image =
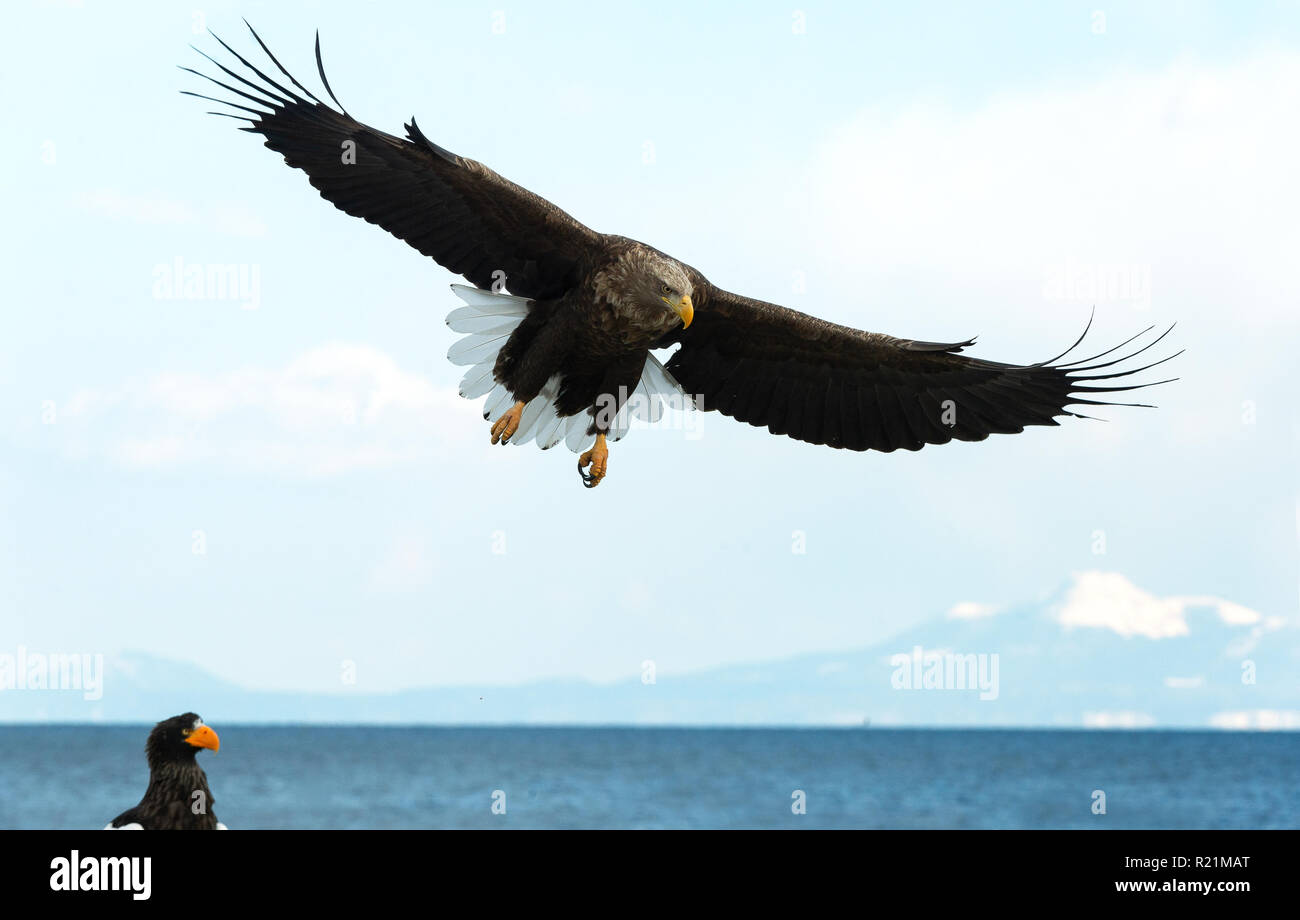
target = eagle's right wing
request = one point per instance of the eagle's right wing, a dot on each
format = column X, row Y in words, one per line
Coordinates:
column 454, row 210
column 823, row 383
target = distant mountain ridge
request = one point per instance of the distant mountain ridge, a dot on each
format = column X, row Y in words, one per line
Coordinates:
column 1101, row 653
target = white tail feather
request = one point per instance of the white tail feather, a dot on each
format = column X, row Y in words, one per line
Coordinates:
column 491, row 302
column 486, row 322
column 497, row 402
column 475, row 349
column 477, row 381
column 480, row 323
column 540, row 407
column 551, row 432
column 575, row 432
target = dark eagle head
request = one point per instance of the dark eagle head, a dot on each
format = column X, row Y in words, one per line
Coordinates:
column 179, row 739
column 650, row 289
column 670, row 287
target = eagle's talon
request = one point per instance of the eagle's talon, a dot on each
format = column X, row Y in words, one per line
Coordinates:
column 598, row 459
column 507, row 424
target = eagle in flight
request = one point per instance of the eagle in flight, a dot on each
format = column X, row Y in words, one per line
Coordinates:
column 565, row 355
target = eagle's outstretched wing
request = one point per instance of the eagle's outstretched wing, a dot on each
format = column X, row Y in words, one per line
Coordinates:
column 828, row 384
column 454, row 210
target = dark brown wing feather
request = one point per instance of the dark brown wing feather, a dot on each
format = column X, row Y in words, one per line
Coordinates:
column 827, row 384
column 456, row 211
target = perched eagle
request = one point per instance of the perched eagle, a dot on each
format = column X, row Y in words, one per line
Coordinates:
column 178, row 797
column 566, row 354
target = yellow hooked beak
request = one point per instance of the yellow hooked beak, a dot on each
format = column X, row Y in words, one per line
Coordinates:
column 204, row 737
column 683, row 308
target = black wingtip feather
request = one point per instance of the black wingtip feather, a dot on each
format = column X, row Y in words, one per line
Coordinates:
column 1136, row 370
column 1094, row 367
column 226, row 86
column 414, row 133
column 293, row 97
column 1103, row 354
column 320, row 69
column 186, row 92
column 276, row 62
column 1135, row 386
column 1052, row 361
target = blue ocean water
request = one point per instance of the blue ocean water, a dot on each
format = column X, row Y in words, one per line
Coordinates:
column 421, row 777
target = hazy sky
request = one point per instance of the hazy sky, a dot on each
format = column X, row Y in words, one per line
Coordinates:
column 278, row 479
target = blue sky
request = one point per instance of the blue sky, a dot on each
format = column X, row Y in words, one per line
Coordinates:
column 933, row 172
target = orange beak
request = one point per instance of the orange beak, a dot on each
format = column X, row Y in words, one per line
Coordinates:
column 204, row 737
column 686, row 310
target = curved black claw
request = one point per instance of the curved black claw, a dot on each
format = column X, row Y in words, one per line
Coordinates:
column 598, row 457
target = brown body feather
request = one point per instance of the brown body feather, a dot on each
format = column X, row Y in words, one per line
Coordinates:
column 169, row 802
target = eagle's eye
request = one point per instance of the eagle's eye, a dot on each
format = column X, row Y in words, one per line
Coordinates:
column 667, row 289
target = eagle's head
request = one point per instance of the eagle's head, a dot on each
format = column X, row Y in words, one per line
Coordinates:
column 654, row 289
column 179, row 739
column 672, row 288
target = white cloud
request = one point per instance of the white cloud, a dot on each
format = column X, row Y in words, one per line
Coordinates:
column 1108, row 600
column 1133, row 171
column 1126, row 718
column 1185, row 683
column 1235, row 614
column 970, row 610
column 1257, row 719
column 1244, row 645
column 335, row 408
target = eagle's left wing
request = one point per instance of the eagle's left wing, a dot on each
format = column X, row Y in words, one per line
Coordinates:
column 828, row 384
column 455, row 210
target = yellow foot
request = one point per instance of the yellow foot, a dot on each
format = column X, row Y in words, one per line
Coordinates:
column 598, row 457
column 507, row 424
